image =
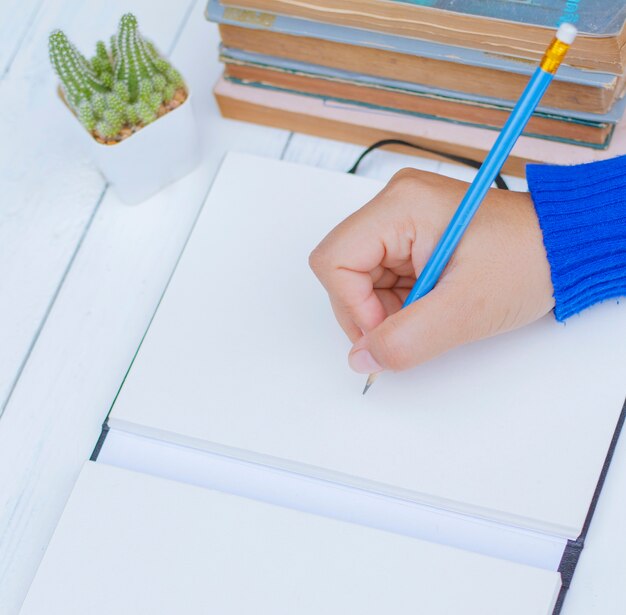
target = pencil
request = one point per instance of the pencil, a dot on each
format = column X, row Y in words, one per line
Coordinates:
column 490, row 168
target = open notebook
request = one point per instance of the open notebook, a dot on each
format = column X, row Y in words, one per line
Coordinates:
column 130, row 544
column 485, row 460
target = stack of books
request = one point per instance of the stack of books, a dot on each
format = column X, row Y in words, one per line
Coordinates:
column 443, row 74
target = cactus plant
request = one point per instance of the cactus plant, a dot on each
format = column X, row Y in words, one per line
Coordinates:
column 122, row 88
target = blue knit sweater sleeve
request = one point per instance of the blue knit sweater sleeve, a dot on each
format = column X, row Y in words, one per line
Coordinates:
column 582, row 214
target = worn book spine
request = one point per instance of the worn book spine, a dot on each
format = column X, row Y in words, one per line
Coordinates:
column 240, row 56
column 521, row 40
column 391, row 65
column 345, row 122
column 571, row 131
column 240, row 103
column 220, row 14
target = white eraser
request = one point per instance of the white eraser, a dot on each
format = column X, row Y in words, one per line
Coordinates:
column 567, row 33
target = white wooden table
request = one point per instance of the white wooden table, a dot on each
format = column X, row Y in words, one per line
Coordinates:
column 81, row 274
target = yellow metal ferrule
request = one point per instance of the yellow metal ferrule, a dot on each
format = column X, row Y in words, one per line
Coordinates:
column 554, row 56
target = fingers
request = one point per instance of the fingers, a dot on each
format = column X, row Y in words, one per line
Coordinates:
column 353, row 298
column 345, row 321
column 344, row 263
column 494, row 282
column 356, row 258
column 419, row 332
column 368, row 264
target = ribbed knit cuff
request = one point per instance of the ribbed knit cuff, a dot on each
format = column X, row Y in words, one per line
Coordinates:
column 582, row 214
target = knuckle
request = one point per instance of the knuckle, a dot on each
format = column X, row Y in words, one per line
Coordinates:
column 406, row 175
column 317, row 258
column 410, row 186
column 413, row 180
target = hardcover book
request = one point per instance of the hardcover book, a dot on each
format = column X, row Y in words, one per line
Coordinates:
column 463, row 486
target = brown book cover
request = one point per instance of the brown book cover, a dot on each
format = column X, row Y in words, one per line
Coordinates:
column 473, row 80
column 597, row 135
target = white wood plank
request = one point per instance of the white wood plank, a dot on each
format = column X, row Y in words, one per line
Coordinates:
column 380, row 164
column 340, row 156
column 52, row 421
column 50, row 189
column 16, row 16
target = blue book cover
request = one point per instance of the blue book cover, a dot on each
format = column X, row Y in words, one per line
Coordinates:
column 293, row 26
column 592, row 17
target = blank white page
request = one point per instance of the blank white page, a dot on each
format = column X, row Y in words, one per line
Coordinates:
column 244, row 357
column 132, row 544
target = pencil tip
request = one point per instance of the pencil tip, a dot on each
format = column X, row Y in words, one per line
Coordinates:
column 370, row 381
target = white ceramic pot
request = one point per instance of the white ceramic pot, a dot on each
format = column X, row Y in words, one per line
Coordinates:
column 150, row 159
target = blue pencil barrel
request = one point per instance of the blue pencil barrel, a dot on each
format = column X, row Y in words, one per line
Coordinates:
column 482, row 182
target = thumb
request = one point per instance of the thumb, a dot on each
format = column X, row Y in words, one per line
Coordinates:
column 421, row 331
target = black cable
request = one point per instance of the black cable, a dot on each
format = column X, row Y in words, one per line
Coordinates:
column 500, row 183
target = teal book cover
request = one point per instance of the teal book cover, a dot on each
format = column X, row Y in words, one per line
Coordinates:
column 593, row 17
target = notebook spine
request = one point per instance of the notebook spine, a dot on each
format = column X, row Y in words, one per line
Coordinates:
column 568, row 564
column 570, row 560
column 99, row 444
column 574, row 548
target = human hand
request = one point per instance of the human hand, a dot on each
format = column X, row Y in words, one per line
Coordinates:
column 497, row 280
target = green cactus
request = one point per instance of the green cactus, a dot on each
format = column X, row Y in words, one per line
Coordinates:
column 122, row 86
column 113, row 47
column 135, row 65
column 78, row 79
column 102, row 65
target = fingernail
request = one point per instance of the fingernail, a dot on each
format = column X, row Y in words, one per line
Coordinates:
column 363, row 362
